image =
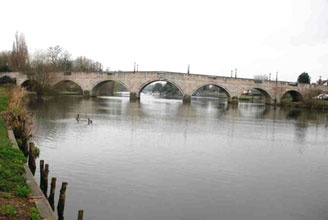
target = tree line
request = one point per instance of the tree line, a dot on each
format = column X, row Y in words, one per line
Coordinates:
column 52, row 59
column 302, row 78
column 41, row 66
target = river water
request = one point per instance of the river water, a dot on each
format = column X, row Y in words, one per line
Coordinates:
column 159, row 159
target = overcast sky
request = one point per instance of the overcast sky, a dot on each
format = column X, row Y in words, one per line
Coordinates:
column 214, row 37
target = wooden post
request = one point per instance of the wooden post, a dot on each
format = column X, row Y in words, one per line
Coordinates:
column 31, row 159
column 61, row 201
column 25, row 146
column 44, row 187
column 41, row 172
column 51, row 198
column 80, row 216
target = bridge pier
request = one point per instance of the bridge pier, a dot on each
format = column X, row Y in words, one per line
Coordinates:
column 233, row 100
column 86, row 93
column 186, row 99
column 133, row 97
column 187, row 83
column 275, row 101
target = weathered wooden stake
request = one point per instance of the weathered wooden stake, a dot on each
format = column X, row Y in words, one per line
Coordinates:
column 80, row 216
column 41, row 172
column 44, row 187
column 31, row 159
column 25, row 146
column 61, row 201
column 51, row 198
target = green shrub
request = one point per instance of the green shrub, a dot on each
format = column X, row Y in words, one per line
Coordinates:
column 23, row 191
column 36, row 152
column 286, row 100
column 8, row 210
column 34, row 214
column 6, row 195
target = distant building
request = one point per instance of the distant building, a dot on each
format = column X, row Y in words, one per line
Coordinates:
column 322, row 82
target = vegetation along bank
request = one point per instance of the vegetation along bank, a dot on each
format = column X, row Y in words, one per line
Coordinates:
column 14, row 193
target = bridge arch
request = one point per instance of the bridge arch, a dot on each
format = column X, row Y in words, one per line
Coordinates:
column 145, row 84
column 28, row 84
column 229, row 96
column 70, row 87
column 265, row 93
column 98, row 85
column 295, row 96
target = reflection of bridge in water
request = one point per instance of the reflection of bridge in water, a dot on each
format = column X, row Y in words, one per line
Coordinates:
column 188, row 84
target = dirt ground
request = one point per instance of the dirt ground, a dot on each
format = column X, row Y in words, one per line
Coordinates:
column 22, row 207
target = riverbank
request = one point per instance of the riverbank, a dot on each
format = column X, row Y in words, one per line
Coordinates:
column 288, row 102
column 307, row 104
column 14, row 192
column 248, row 98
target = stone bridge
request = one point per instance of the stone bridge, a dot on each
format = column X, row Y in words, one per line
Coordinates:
column 135, row 82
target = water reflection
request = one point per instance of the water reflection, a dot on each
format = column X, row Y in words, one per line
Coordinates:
column 160, row 159
column 293, row 113
column 254, row 110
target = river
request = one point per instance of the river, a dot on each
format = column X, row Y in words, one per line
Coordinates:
column 159, row 159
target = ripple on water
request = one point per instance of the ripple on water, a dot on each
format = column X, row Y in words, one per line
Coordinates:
column 160, row 159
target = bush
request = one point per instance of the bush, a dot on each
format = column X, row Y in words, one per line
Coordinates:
column 8, row 210
column 7, row 80
column 304, row 78
column 286, row 100
column 6, row 195
column 36, row 152
column 34, row 214
column 4, row 68
column 23, row 191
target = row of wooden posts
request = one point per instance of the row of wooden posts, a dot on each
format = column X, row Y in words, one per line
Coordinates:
column 44, row 172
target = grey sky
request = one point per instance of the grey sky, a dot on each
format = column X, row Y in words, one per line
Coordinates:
column 255, row 36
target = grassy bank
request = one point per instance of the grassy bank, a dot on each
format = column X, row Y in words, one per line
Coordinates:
column 14, row 203
column 309, row 104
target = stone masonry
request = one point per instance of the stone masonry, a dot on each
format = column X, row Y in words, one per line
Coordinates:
column 134, row 82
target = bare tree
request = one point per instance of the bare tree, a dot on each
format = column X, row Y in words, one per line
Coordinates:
column 65, row 61
column 4, row 61
column 59, row 58
column 261, row 77
column 83, row 64
column 97, row 67
column 53, row 54
column 19, row 59
column 42, row 74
